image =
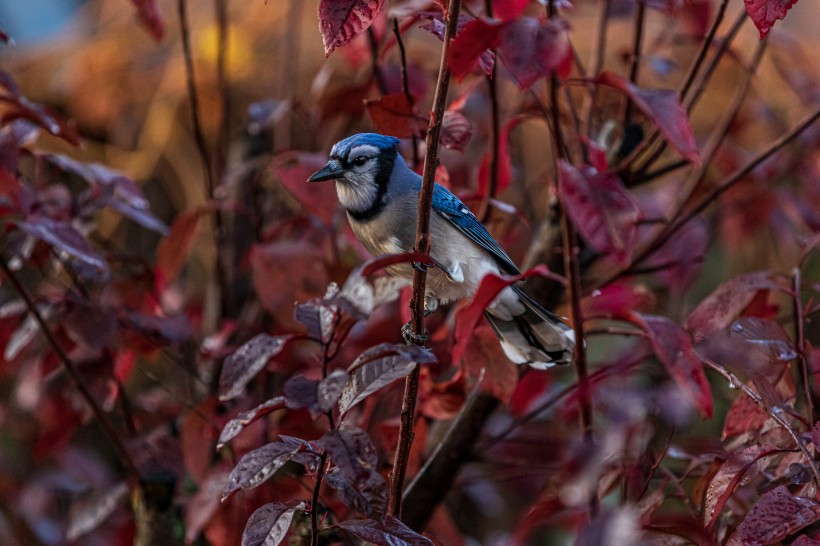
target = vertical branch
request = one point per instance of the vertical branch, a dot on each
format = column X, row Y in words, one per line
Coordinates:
column 374, row 60
column 640, row 18
column 405, row 84
column 320, row 473
column 494, row 130
column 223, row 138
column 204, row 156
column 572, row 272
column 131, row 471
column 597, row 63
column 411, row 385
column 800, row 341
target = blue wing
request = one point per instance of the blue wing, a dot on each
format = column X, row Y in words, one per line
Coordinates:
column 451, row 208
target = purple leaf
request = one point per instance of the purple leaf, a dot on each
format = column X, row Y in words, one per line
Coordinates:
column 90, row 511
column 247, row 361
column 456, row 130
column 377, row 367
column 356, row 475
column 664, row 108
column 300, row 392
column 602, row 209
column 330, row 389
column 776, row 516
column 238, row 424
column 673, row 348
column 368, row 496
column 23, row 108
column 531, row 49
column 320, row 317
column 63, row 238
column 269, row 524
column 341, row 21
column 725, row 304
column 258, row 465
column 387, row 532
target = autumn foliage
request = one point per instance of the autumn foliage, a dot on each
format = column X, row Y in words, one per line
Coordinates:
column 196, row 349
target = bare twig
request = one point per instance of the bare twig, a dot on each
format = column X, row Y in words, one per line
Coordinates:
column 223, row 138
column 131, row 471
column 374, row 61
column 419, row 275
column 405, row 84
column 635, row 62
column 800, row 342
column 494, row 136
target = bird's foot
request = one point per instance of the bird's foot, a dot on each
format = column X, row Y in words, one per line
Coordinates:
column 411, row 337
column 419, row 266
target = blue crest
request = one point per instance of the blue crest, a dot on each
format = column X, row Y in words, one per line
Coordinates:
column 382, row 142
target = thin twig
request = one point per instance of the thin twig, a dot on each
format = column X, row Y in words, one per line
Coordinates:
column 494, row 130
column 374, row 61
column 411, row 385
column 131, row 471
column 405, row 84
column 775, row 412
column 223, row 137
column 597, row 63
column 800, row 341
column 635, row 62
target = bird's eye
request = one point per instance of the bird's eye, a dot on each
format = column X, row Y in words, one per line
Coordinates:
column 359, row 161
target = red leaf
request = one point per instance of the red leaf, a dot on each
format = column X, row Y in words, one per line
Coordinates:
column 173, row 249
column 679, row 259
column 531, row 49
column 726, row 303
column 269, row 524
column 617, row 300
column 673, row 348
column 468, row 317
column 764, row 13
column 356, row 476
column 508, row 9
column 38, row 114
column 343, row 20
column 664, row 108
column 202, row 506
column 456, row 130
column 377, row 367
column 470, row 43
column 235, row 426
column 743, row 416
column 246, row 362
column 528, row 391
column 484, row 354
column 486, row 59
column 503, row 167
column 293, row 169
column 150, row 17
column 393, row 115
column 259, row 465
column 387, row 532
column 287, row 271
column 776, row 516
column 602, row 209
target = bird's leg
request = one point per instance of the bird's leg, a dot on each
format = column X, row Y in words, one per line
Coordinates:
column 420, row 266
column 430, row 305
column 410, row 337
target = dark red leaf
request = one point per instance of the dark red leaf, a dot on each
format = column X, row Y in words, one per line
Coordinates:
column 531, row 49
column 508, row 9
column 456, row 130
column 293, row 169
column 485, row 355
column 168, row 328
column 201, row 507
column 503, row 167
column 751, row 345
column 174, row 248
column 664, row 108
column 150, row 18
column 246, row 362
column 673, row 347
column 23, row 108
column 269, row 524
column 617, row 300
column 375, row 264
column 393, row 115
column 341, row 21
column 470, row 43
column 284, row 272
column 744, row 416
column 377, row 367
column 387, row 532
column 678, row 260
column 63, row 238
column 776, row 516
column 258, row 466
column 486, row 60
column 726, row 303
column 804, row 540
column 602, row 209
column 468, row 317
column 764, row 13
column 235, row 426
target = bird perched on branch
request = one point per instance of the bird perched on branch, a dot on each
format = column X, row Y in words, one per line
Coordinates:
column 380, row 193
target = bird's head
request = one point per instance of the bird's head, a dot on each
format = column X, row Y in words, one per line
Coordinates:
column 361, row 166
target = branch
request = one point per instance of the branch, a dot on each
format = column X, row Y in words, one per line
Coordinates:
column 131, row 471
column 494, row 129
column 374, row 61
column 800, row 341
column 411, row 385
column 405, row 84
column 635, row 62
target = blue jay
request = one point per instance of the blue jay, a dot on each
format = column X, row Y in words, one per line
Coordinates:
column 380, row 193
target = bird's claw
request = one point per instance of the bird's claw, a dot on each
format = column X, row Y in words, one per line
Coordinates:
column 420, row 266
column 411, row 337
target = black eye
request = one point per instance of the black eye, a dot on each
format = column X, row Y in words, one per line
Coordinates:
column 359, row 161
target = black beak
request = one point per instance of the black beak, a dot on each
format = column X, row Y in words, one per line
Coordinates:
column 331, row 171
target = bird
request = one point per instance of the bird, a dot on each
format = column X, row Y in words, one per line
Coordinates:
column 379, row 192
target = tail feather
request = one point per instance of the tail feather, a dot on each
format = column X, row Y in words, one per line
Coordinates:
column 536, row 337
